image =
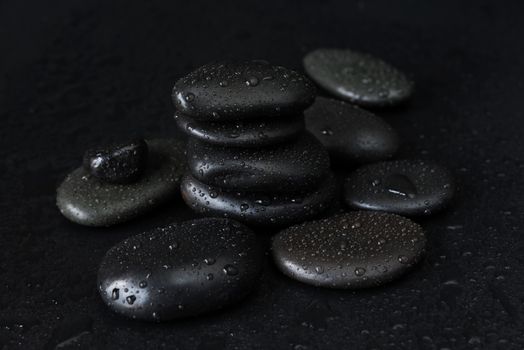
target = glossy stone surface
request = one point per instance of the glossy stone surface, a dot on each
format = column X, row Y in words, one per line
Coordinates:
column 352, row 250
column 406, row 187
column 289, row 167
column 242, row 90
column 358, row 77
column 268, row 209
column 117, row 163
column 351, row 135
column 242, row 133
column 84, row 199
column 181, row 270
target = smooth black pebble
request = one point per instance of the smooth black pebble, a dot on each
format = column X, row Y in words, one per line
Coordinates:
column 294, row 166
column 117, row 163
column 87, row 200
column 406, row 187
column 351, row 135
column 242, row 90
column 181, row 270
column 358, row 77
column 242, row 133
column 264, row 208
column 353, row 250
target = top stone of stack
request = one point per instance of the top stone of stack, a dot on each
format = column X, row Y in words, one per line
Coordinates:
column 225, row 91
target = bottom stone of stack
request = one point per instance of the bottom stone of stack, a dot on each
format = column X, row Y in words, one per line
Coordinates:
column 279, row 209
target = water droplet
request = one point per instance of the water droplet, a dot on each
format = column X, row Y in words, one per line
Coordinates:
column 230, row 270
column 213, row 194
column 403, row 259
column 223, row 83
column 131, row 299
column 115, row 294
column 244, row 207
column 327, row 131
column 319, row 269
column 189, row 97
column 142, row 284
column 209, row 261
column 400, row 185
column 360, row 271
column 252, row 81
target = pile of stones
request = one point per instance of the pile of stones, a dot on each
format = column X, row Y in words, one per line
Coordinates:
column 249, row 155
column 259, row 154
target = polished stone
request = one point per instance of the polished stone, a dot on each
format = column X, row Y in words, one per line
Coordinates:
column 351, row 251
column 406, row 187
column 117, row 163
column 290, row 167
column 86, row 200
column 243, row 133
column 242, row 90
column 181, row 270
column 267, row 209
column 350, row 134
column 358, row 77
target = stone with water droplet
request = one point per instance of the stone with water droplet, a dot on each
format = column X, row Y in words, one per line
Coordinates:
column 381, row 248
column 350, row 134
column 358, row 77
column 135, row 283
column 291, row 167
column 86, row 200
column 276, row 209
column 240, row 90
column 406, row 187
column 247, row 133
column 117, row 163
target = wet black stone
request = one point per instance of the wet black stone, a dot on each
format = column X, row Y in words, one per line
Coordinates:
column 353, row 250
column 242, row 90
column 117, row 163
column 86, row 200
column 181, row 270
column 351, row 135
column 406, row 187
column 268, row 208
column 358, row 77
column 243, row 133
column 289, row 167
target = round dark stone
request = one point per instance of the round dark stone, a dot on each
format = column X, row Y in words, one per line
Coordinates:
column 357, row 77
column 406, row 187
column 86, row 200
column 268, row 209
column 117, row 163
column 288, row 167
column 242, row 133
column 351, row 135
column 353, row 250
column 181, row 270
column 242, row 90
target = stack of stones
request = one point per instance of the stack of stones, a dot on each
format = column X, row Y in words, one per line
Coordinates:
column 250, row 157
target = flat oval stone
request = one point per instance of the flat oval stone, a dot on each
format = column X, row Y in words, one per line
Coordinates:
column 242, row 133
column 86, row 200
column 358, row 77
column 406, row 187
column 351, row 135
column 353, row 250
column 288, row 167
column 242, row 90
column 267, row 209
column 117, row 163
column 181, row 270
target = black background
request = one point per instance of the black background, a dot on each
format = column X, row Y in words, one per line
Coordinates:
column 74, row 74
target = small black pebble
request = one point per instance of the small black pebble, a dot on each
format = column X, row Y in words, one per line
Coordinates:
column 117, row 163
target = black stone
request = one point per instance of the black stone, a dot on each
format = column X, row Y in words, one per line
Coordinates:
column 181, row 270
column 357, row 77
column 268, row 209
column 352, row 250
column 406, row 187
column 117, row 163
column 242, row 133
column 86, row 200
column 289, row 167
column 242, row 90
column 351, row 135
